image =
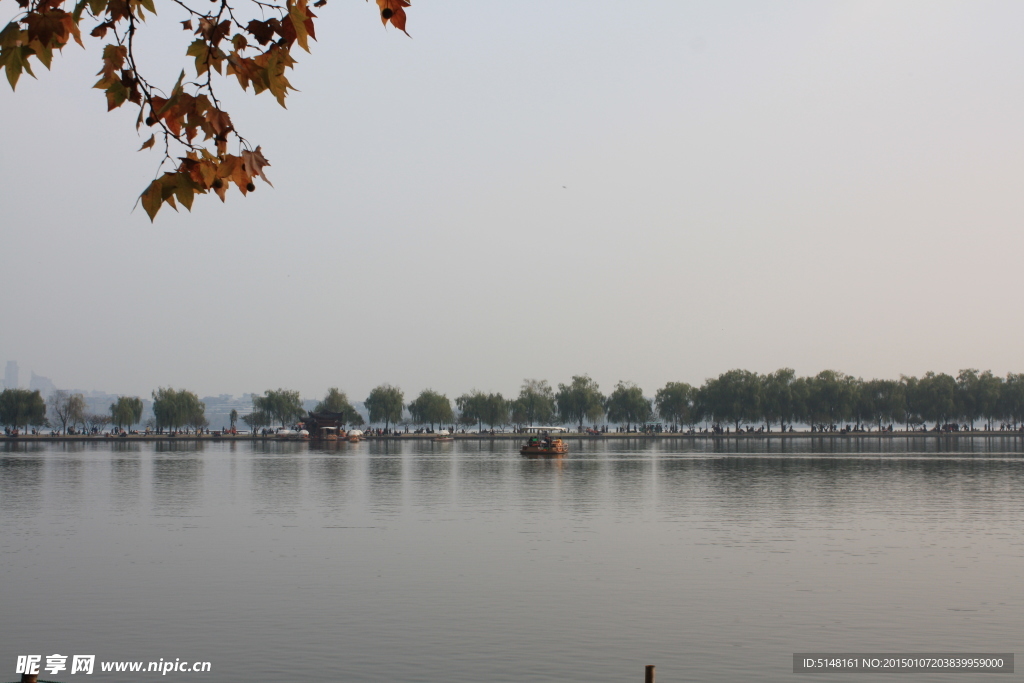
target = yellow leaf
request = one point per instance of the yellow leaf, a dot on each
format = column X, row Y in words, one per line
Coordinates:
column 148, row 143
column 152, row 198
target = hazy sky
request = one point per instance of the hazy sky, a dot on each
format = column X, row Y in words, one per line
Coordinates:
column 647, row 192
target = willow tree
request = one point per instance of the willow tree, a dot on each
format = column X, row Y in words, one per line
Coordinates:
column 256, row 420
column 471, row 408
column 1011, row 398
column 777, row 398
column 431, row 407
column 674, row 402
column 580, row 400
column 480, row 408
column 627, row 404
column 385, row 404
column 535, row 403
column 176, row 408
column 251, row 41
column 126, row 411
column 335, row 401
column 282, row 405
column 22, row 408
column 734, row 396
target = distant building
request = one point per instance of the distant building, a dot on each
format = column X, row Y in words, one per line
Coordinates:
column 11, row 375
column 42, row 384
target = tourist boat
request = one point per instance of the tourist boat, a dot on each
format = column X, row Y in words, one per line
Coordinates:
column 543, row 443
column 330, row 434
column 355, row 435
column 444, row 436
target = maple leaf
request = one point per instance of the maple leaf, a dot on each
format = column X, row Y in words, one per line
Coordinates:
column 101, row 30
column 393, row 11
column 253, row 163
column 262, row 31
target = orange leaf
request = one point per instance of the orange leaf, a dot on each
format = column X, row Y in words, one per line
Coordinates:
column 253, row 163
column 393, row 11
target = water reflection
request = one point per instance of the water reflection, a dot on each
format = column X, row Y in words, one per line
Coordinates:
column 631, row 482
column 331, row 480
column 182, row 446
column 432, row 476
column 384, row 474
column 177, row 482
column 66, row 478
column 125, row 478
column 21, row 484
column 698, row 551
column 277, row 483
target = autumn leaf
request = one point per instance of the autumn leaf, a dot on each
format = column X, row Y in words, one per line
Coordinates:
column 15, row 60
column 152, row 199
column 262, row 31
column 101, row 30
column 253, row 163
column 190, row 108
column 201, row 51
column 300, row 22
column 393, row 11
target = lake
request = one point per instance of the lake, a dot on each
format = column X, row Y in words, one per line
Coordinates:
column 459, row 562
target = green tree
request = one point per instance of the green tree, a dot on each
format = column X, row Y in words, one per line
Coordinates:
column 734, row 396
column 913, row 402
column 937, row 397
column 233, row 417
column 283, row 406
column 126, row 411
column 831, row 397
column 256, row 420
column 580, row 400
column 627, row 404
column 471, row 408
column 495, row 410
column 337, row 402
column 882, row 400
column 385, row 404
column 67, row 408
column 175, row 409
column 248, row 41
column 675, row 403
column 431, row 407
column 21, row 408
column 535, row 403
column 1011, row 398
column 977, row 395
column 777, row 399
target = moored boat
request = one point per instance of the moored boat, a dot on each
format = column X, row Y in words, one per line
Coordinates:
column 544, row 445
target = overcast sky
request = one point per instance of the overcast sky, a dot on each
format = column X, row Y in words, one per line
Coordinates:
column 652, row 192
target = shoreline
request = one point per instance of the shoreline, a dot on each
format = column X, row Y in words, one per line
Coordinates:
column 508, row 436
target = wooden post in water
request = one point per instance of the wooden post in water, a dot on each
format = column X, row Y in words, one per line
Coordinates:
column 649, row 673
column 29, row 678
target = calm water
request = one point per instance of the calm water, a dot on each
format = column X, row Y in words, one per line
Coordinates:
column 464, row 562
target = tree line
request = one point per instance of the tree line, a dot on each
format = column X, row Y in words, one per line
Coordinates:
column 736, row 398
